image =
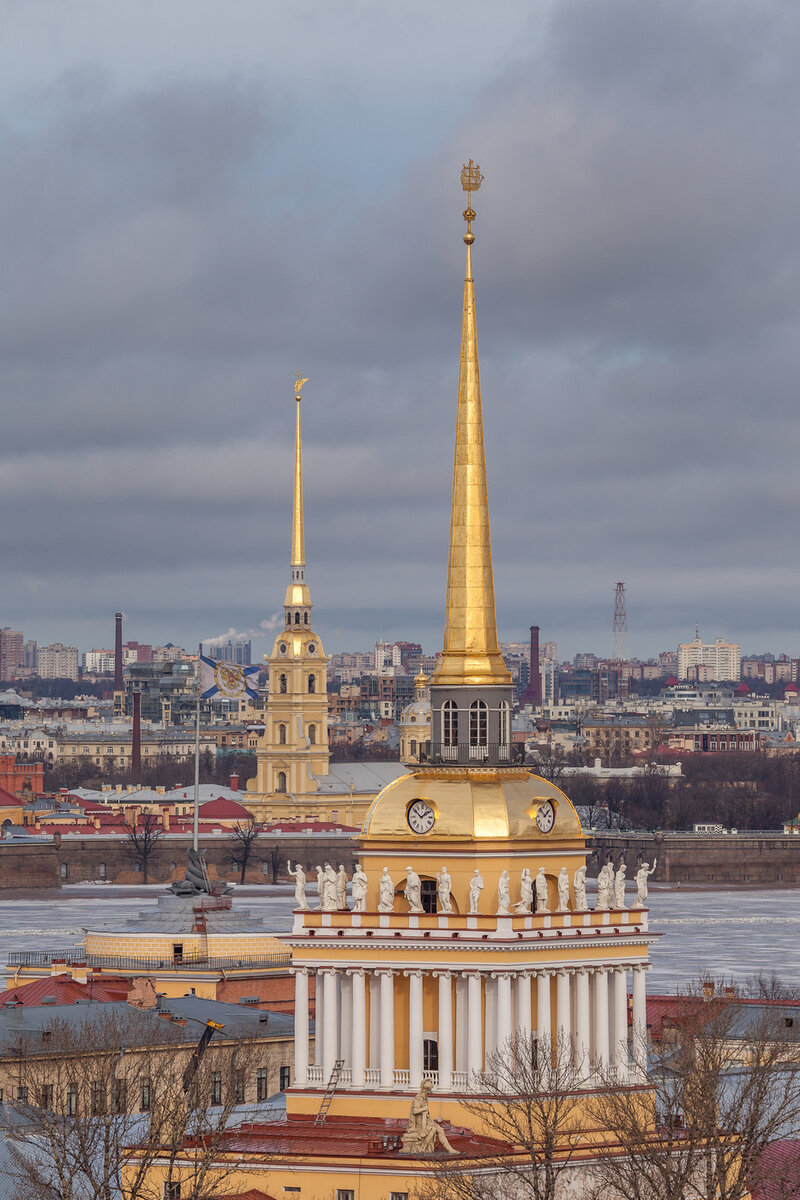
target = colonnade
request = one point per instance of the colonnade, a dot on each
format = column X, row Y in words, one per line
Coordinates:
column 579, row 1013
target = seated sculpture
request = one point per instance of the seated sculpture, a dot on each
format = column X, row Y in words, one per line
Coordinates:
column 422, row 1132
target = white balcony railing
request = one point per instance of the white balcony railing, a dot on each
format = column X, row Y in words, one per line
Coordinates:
column 315, row 1075
column 402, row 1079
column 372, row 1076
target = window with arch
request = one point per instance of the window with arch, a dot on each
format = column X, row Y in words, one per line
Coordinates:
column 450, row 723
column 281, row 781
column 282, row 685
column 297, row 618
column 305, row 618
column 312, row 683
column 312, row 735
column 478, row 723
column 282, row 735
column 505, row 722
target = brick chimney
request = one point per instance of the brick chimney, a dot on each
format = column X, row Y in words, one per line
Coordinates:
column 234, row 783
column 533, row 692
column 165, row 819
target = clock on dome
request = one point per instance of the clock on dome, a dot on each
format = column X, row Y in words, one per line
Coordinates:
column 421, row 817
column 545, row 817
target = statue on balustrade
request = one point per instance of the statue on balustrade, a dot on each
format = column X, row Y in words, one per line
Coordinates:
column 563, row 890
column 329, row 898
column 341, row 889
column 524, row 905
column 385, row 892
column 619, row 886
column 422, row 1132
column 645, row 870
column 320, row 884
column 541, row 891
column 443, row 889
column 605, row 887
column 503, row 897
column 475, row 889
column 360, row 889
column 413, row 891
column 299, row 877
column 579, row 886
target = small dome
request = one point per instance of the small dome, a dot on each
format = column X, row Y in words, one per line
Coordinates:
column 471, row 805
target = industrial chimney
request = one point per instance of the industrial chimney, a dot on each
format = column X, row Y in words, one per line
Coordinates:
column 533, row 692
column 136, row 742
column 119, row 678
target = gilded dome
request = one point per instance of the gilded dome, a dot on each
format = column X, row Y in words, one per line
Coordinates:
column 471, row 805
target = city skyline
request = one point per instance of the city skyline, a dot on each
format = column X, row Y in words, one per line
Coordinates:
column 188, row 220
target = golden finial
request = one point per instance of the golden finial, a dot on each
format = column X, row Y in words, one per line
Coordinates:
column 298, row 385
column 471, row 180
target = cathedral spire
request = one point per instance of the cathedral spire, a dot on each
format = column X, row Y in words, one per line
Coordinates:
column 471, row 655
column 297, row 593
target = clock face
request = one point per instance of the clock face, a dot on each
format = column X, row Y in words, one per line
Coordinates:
column 420, row 817
column 545, row 816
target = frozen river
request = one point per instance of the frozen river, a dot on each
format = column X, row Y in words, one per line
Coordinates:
column 730, row 932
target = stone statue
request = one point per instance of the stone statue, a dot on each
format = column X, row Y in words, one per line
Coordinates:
column 443, row 887
column 320, row 884
column 341, row 889
column 413, row 891
column 386, row 892
column 541, row 891
column 196, row 882
column 605, row 886
column 524, row 905
column 299, row 877
column 503, row 899
column 422, row 1132
column 475, row 889
column 329, row 889
column 579, row 885
column 641, row 877
column 359, row 889
column 619, row 886
column 563, row 890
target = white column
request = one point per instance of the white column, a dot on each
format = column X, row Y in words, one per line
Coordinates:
column 387, row 1029
column 345, row 1016
column 640, row 1020
column 582, row 1028
column 601, row 1019
column 461, row 1023
column 445, row 1039
column 300, row 1027
column 474, row 1026
column 358, row 1040
column 503, row 981
column 319, row 1018
column 620, row 1048
column 523, row 1006
column 415, row 1047
column 544, row 1032
column 331, row 1019
column 563, row 1014
column 374, row 1019
column 489, row 1015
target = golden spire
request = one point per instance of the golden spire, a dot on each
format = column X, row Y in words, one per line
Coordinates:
column 471, row 655
column 297, row 593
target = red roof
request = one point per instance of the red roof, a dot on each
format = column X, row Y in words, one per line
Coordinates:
column 66, row 991
column 776, row 1174
column 741, row 690
column 222, row 809
column 8, row 798
column 670, row 681
column 250, row 1194
column 791, row 687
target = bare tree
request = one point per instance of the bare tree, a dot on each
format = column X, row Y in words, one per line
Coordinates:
column 102, row 1109
column 142, row 838
column 725, row 1084
column 531, row 1103
column 242, row 845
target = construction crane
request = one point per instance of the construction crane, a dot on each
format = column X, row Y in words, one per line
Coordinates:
column 198, row 1052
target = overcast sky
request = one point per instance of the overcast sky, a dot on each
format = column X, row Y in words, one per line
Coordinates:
column 201, row 196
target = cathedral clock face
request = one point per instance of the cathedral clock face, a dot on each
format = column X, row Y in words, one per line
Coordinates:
column 420, row 817
column 545, row 817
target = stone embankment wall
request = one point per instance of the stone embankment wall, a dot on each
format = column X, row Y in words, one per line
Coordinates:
column 81, row 860
column 700, row 858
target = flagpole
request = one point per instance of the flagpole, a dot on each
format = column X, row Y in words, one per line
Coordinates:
column 197, row 755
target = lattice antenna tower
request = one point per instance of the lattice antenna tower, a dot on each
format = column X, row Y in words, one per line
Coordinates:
column 619, row 628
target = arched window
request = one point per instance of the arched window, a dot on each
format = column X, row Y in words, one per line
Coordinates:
column 288, row 618
column 282, row 735
column 283, row 683
column 505, row 723
column 312, row 735
column 478, row 721
column 312, row 683
column 281, row 781
column 305, row 618
column 297, row 618
column 449, row 723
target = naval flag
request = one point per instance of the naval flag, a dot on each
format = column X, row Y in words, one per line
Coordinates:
column 229, row 680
